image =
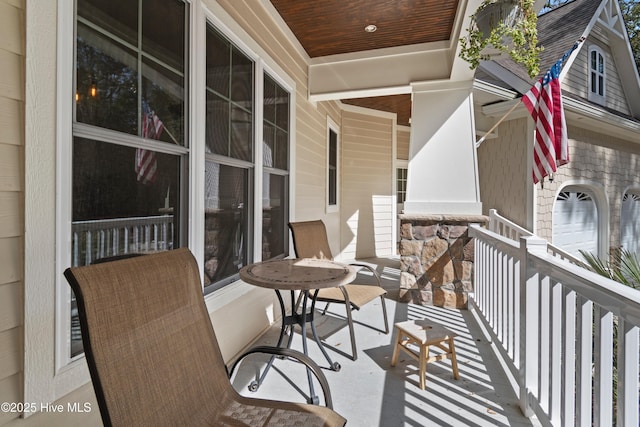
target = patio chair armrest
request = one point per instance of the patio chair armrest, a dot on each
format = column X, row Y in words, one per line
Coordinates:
column 294, row 354
column 371, row 269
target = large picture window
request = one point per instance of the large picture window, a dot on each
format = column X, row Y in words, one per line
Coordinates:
column 229, row 166
column 275, row 201
column 129, row 145
column 232, row 167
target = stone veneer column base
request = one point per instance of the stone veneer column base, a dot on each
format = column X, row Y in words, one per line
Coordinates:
column 436, row 259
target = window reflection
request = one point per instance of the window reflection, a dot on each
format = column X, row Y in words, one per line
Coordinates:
column 226, row 221
column 274, row 215
column 130, row 77
column 117, row 74
column 229, row 130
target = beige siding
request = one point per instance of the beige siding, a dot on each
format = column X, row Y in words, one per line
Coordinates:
column 577, row 79
column 366, row 186
column 11, row 202
column 502, row 165
column 403, row 137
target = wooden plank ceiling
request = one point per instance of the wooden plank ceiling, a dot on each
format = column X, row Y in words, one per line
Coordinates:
column 331, row 27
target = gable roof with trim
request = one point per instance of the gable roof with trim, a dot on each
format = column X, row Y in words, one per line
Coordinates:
column 558, row 30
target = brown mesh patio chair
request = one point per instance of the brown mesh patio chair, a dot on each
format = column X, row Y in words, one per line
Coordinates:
column 153, row 355
column 310, row 241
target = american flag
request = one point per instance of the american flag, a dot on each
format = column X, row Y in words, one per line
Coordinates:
column 146, row 161
column 544, row 102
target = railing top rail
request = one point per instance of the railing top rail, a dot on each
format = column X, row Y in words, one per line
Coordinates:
column 613, row 296
column 495, row 220
column 118, row 222
column 494, row 216
column 504, row 243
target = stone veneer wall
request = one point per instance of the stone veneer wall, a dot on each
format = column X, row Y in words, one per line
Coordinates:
column 436, row 259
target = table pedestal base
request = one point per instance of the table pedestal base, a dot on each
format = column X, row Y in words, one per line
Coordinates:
column 289, row 321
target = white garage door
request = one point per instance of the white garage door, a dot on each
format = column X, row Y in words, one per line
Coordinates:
column 575, row 222
column 630, row 223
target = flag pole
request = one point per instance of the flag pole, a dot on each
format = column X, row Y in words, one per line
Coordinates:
column 481, row 140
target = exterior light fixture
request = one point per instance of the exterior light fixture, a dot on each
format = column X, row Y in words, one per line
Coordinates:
column 370, row 28
column 93, row 90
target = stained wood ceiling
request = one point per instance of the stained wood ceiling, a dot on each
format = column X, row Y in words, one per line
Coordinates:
column 331, row 27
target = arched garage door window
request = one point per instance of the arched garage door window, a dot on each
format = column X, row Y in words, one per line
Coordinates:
column 630, row 222
column 575, row 221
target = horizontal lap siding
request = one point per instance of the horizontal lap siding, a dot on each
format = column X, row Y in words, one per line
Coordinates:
column 11, row 202
column 367, row 185
column 403, row 137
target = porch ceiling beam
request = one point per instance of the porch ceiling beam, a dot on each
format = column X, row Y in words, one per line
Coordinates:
column 392, row 70
column 375, row 73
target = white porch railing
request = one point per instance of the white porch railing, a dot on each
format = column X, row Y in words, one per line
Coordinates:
column 555, row 325
column 100, row 238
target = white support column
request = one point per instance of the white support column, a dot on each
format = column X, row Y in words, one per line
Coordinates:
column 443, row 175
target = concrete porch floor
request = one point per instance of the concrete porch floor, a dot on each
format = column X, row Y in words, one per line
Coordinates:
column 369, row 392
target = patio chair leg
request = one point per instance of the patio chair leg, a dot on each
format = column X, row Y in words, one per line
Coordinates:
column 384, row 313
column 326, row 307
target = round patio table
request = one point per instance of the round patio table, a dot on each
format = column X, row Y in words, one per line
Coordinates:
column 306, row 275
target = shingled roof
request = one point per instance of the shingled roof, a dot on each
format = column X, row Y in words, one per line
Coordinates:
column 558, row 30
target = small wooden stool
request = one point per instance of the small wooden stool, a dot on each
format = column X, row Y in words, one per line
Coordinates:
column 423, row 334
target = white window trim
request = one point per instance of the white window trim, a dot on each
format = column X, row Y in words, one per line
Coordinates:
column 594, row 96
column 48, row 372
column 48, row 112
column 333, row 126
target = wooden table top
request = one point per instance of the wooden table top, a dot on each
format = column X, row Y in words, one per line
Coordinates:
column 298, row 274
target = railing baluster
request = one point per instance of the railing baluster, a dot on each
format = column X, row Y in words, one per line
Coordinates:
column 517, row 329
column 88, row 249
column 556, row 335
column 585, row 362
column 155, row 236
column 544, row 308
column 569, row 359
column 76, row 249
column 603, row 361
column 628, row 364
column 543, row 342
column 136, row 238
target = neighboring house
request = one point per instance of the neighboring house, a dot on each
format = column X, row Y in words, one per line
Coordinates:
column 592, row 203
